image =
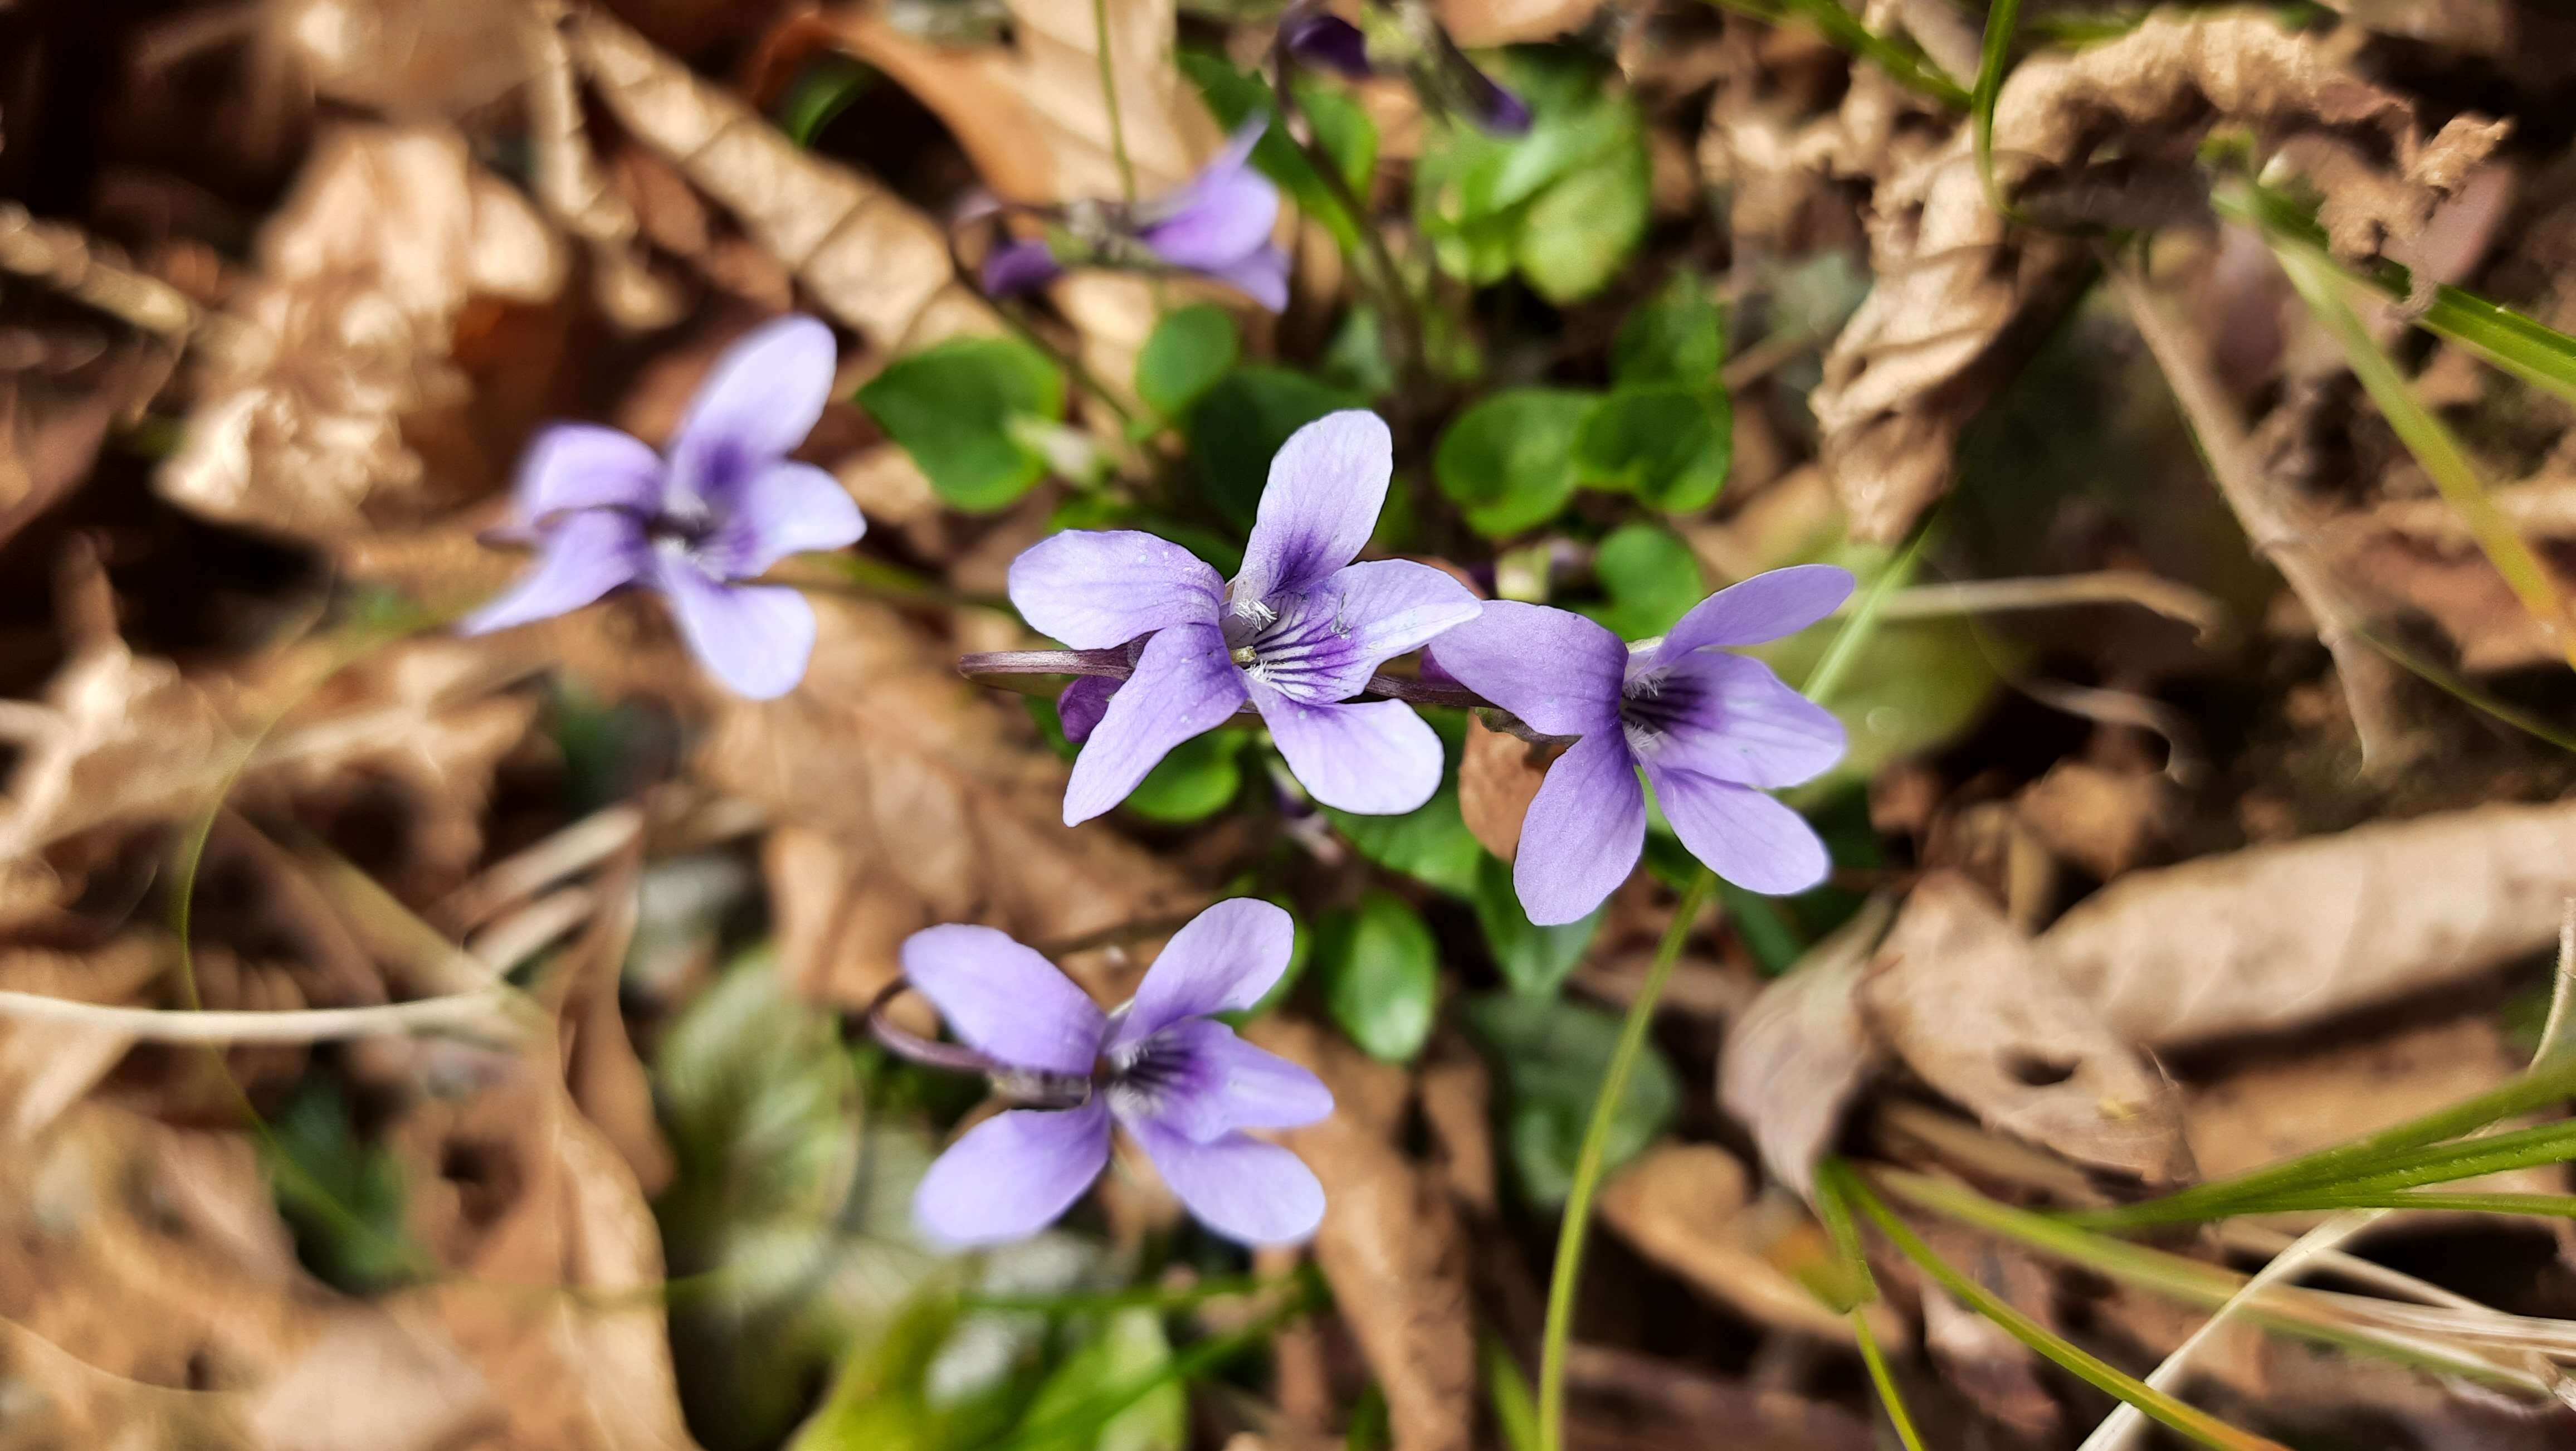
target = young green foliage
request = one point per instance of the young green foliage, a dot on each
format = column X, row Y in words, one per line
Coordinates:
column 953, row 407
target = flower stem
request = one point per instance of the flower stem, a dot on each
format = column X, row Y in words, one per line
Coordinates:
column 1109, row 100
column 1590, row 1163
column 1395, row 298
column 999, row 667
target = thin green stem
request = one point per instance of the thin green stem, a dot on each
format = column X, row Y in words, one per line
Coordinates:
column 1109, row 99
column 1844, row 29
column 1885, row 1381
column 2002, row 17
column 1394, row 297
column 1864, row 618
column 1592, row 1159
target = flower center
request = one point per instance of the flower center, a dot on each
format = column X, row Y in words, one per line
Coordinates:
column 1140, row 1078
column 1265, row 635
column 1654, row 705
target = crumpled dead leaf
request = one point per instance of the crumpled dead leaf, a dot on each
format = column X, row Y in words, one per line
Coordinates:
column 1957, row 993
column 1932, row 340
column 1798, row 1053
column 1498, row 776
column 46, row 1068
column 2102, row 820
column 2417, row 554
column 350, row 328
column 2287, row 934
column 119, row 736
column 1390, row 1245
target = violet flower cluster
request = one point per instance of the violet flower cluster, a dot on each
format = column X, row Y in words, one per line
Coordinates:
column 1711, row 731
column 1216, row 226
column 719, row 506
column 1296, row 633
column 1181, row 1083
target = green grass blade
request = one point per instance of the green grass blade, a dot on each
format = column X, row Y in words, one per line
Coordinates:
column 1833, row 1177
column 2552, row 1206
column 1908, row 67
column 2189, row 1420
column 1515, row 1414
column 2003, row 17
column 1078, row 1423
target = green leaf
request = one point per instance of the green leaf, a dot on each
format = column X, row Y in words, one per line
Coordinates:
column 1651, row 577
column 1196, row 780
column 1914, row 686
column 1130, row 1348
column 342, row 1196
column 1238, row 424
column 1552, row 1057
column 1509, row 460
column 1535, row 960
column 1677, row 336
column 1357, row 357
column 1381, row 975
column 1668, row 445
column 951, row 406
column 1431, row 843
column 1566, row 204
column 822, row 90
column 1188, row 352
column 1580, row 234
column 1341, row 127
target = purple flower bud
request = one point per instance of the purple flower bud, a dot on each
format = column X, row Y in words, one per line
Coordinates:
column 1297, row 633
column 1711, row 731
column 1494, row 110
column 1325, row 41
column 1019, row 266
column 1181, row 1084
column 721, row 504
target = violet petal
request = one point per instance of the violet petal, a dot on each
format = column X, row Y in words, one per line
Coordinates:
column 1746, row 726
column 1557, row 671
column 1375, row 757
column 586, row 466
column 1093, row 589
column 1223, row 217
column 1081, row 705
column 760, row 400
column 1260, row 274
column 1325, row 41
column 1183, row 686
column 1218, row 1084
column 1584, row 832
column 1327, row 485
column 757, row 639
column 1004, row 1000
column 1222, row 960
column 1244, row 1189
column 1327, row 642
column 1013, row 1174
column 1020, row 266
column 584, row 556
column 1741, row 834
column 784, row 509
column 1769, row 605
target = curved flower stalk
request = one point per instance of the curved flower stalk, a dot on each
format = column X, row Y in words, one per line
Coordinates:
column 1710, row 730
column 1216, row 226
column 720, row 505
column 1182, row 1084
column 1297, row 633
column 1447, row 80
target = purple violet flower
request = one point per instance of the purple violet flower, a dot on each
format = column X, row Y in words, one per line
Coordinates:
column 1711, row 731
column 721, row 504
column 1297, row 632
column 1184, row 1086
column 1218, row 226
column 1325, row 41
column 1441, row 72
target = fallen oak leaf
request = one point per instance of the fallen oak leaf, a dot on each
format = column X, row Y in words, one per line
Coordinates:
column 1959, row 995
column 1799, row 1051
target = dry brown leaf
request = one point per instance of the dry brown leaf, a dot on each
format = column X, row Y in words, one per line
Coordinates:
column 1698, row 1409
column 2417, row 554
column 364, row 275
column 1457, row 1104
column 1390, row 1245
column 2102, row 820
column 943, row 811
column 46, row 1068
column 1931, row 342
column 1958, row 994
column 1799, row 1052
column 1498, row 776
column 868, row 257
column 1690, row 1209
column 1512, row 22
column 120, row 736
column 2287, row 934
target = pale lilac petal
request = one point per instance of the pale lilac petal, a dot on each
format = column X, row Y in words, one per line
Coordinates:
column 1556, row 670
column 1326, row 41
column 784, row 509
column 1017, row 267
column 582, row 557
column 755, row 638
column 1741, row 834
column 1248, row 1191
column 1081, row 705
column 1327, row 484
column 1013, row 1174
column 1183, row 686
column 1214, row 194
column 1765, row 607
column 760, row 400
column 1228, row 216
column 585, row 466
column 1584, row 832
column 1260, row 274
column 1222, row 960
column 1373, row 757
column 1202, row 1082
column 1744, row 725
column 1325, row 643
column 1096, row 588
column 1004, row 1000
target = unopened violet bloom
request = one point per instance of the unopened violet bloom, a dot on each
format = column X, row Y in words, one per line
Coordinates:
column 1217, row 226
column 1297, row 632
column 718, row 506
column 1181, row 1083
column 1711, row 730
column 1441, row 72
